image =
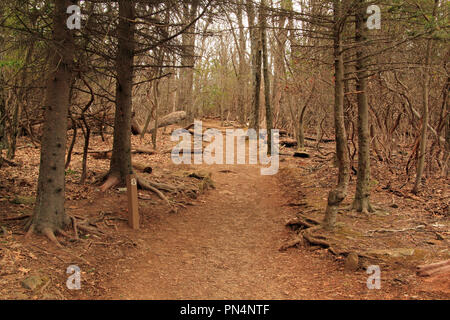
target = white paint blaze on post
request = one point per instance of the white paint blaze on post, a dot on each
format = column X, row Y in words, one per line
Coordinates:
column 374, row 20
column 374, row 280
column 74, row 281
column 74, row 21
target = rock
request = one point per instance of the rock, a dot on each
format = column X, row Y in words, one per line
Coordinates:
column 34, row 282
column 351, row 262
column 23, row 200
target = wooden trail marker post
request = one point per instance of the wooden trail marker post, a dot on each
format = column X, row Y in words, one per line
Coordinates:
column 133, row 212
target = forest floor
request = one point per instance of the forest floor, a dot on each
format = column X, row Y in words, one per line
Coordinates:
column 224, row 241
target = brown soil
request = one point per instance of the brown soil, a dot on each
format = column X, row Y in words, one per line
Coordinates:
column 227, row 247
column 222, row 245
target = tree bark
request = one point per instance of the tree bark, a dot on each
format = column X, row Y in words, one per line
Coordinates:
column 2, row 116
column 337, row 195
column 269, row 120
column 185, row 98
column 242, row 66
column 255, row 41
column 120, row 165
column 49, row 215
column 361, row 202
column 425, row 112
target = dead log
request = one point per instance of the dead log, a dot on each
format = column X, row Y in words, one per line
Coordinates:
column 106, row 154
column 142, row 167
column 301, row 154
column 287, row 142
column 321, row 140
column 142, row 151
column 171, row 118
column 433, row 268
column 433, row 272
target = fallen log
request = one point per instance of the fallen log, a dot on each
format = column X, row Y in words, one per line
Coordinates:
column 288, row 142
column 433, row 268
column 106, row 154
column 433, row 272
column 171, row 118
column 322, row 140
column 301, row 154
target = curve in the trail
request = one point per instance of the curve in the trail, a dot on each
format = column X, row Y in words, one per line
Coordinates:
column 226, row 247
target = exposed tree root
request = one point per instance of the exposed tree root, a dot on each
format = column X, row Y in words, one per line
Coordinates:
column 302, row 222
column 307, row 226
column 51, row 235
column 308, row 233
column 362, row 205
column 291, row 243
column 16, row 218
column 397, row 230
column 111, row 182
column 75, row 230
column 82, row 225
column 144, row 184
column 8, row 162
column 315, row 239
column 433, row 269
column 30, row 230
column 90, row 230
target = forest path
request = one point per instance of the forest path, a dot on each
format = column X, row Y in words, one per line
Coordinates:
column 226, row 247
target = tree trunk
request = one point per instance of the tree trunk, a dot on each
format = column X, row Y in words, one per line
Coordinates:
column 2, row 116
column 2, row 101
column 279, row 66
column 256, row 64
column 361, row 202
column 446, row 166
column 301, row 134
column 156, row 125
column 242, row 67
column 49, row 215
column 120, row 165
column 337, row 195
column 185, row 99
column 269, row 122
column 15, row 126
column 425, row 111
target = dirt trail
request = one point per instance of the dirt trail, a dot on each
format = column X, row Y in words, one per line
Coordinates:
column 226, row 247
